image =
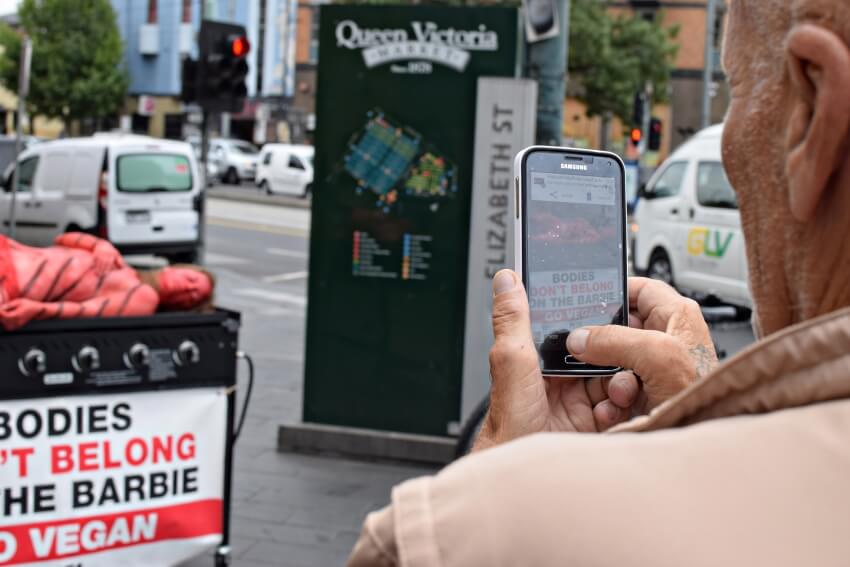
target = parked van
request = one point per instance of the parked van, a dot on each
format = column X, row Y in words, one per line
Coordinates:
column 140, row 193
column 286, row 169
column 688, row 225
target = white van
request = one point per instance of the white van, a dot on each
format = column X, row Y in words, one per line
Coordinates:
column 688, row 225
column 286, row 169
column 140, row 193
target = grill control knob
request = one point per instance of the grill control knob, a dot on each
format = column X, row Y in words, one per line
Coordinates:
column 187, row 354
column 139, row 356
column 87, row 359
column 33, row 362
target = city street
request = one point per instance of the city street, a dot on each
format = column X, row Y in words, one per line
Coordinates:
column 293, row 509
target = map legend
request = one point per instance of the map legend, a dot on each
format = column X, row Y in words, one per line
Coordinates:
column 355, row 256
column 415, row 258
column 367, row 256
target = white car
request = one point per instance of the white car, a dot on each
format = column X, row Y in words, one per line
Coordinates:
column 235, row 160
column 688, row 225
column 140, row 193
column 286, row 169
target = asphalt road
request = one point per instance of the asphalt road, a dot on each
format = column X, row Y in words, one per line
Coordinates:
column 293, row 509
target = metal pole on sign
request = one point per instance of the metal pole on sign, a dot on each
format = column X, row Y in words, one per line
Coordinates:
column 23, row 89
column 547, row 36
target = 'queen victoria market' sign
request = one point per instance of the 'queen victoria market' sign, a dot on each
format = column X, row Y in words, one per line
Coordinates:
column 425, row 41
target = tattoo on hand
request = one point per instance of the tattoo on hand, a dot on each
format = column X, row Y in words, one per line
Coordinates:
column 704, row 360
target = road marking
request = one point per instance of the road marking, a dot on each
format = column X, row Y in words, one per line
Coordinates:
column 223, row 259
column 276, row 296
column 229, row 223
column 289, row 276
column 287, row 253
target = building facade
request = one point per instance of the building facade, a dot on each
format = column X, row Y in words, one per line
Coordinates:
column 158, row 34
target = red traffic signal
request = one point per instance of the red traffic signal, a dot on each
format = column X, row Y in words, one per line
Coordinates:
column 635, row 136
column 239, row 46
column 655, row 128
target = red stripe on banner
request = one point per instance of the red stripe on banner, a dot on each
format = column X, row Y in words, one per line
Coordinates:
column 80, row 536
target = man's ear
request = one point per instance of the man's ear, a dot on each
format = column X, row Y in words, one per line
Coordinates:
column 819, row 66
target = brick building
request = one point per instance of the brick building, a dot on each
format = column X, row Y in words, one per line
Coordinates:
column 683, row 116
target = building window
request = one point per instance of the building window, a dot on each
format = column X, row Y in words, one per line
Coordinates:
column 647, row 15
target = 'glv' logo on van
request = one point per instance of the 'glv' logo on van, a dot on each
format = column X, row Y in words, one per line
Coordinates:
column 703, row 241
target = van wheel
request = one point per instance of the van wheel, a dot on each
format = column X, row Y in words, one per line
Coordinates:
column 265, row 188
column 660, row 268
column 231, row 177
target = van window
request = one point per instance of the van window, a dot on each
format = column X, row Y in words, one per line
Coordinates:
column 670, row 182
column 267, row 159
column 57, row 167
column 143, row 173
column 295, row 163
column 245, row 148
column 713, row 188
column 25, row 178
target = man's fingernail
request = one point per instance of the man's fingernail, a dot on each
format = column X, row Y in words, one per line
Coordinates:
column 577, row 341
column 504, row 281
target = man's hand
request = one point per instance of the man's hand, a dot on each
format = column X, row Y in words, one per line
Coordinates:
column 668, row 344
column 521, row 401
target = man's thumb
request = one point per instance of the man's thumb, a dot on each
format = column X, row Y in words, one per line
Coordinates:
column 510, row 307
column 658, row 358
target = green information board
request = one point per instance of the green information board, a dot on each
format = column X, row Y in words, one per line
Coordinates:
column 395, row 115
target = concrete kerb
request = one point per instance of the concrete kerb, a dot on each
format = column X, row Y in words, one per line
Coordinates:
column 314, row 438
column 252, row 195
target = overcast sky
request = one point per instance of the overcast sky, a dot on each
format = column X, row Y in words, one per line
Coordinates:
column 8, row 6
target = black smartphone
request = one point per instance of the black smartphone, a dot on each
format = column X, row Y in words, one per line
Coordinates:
column 570, row 248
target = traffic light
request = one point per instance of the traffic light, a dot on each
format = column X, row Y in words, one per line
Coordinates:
column 222, row 66
column 637, row 110
column 655, row 128
column 189, row 80
column 635, row 136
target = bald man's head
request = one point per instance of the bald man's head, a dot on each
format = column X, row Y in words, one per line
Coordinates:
column 785, row 148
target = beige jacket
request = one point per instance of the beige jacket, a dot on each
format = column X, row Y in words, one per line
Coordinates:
column 748, row 467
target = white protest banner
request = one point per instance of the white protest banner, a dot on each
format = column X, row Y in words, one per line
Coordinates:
column 117, row 479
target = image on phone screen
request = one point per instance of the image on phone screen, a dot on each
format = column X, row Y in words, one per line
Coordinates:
column 574, row 251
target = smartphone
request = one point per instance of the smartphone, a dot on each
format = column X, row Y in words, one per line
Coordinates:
column 570, row 248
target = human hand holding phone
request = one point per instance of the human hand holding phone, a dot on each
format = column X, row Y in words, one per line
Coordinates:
column 522, row 402
column 668, row 341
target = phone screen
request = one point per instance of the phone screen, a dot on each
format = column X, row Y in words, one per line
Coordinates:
column 574, row 249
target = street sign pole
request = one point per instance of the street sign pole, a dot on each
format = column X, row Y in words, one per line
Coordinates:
column 205, row 141
column 547, row 60
column 23, row 90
